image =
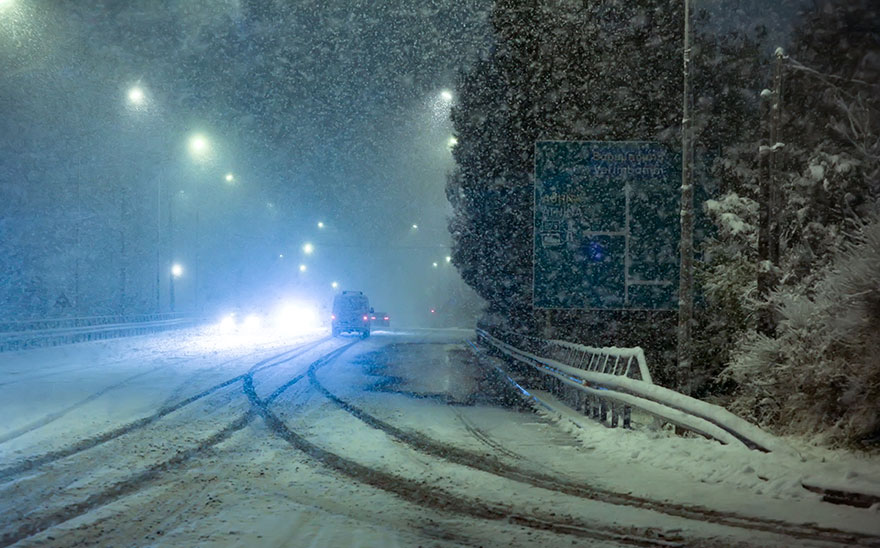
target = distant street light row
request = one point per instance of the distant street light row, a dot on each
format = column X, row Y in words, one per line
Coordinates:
column 436, row 264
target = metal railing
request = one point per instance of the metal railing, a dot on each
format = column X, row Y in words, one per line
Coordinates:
column 607, row 384
column 84, row 321
column 21, row 335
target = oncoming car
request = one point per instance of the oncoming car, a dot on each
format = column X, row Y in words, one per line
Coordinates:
column 351, row 313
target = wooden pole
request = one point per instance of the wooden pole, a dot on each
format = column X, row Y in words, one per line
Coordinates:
column 686, row 247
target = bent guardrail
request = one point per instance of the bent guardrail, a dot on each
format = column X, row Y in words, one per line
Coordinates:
column 612, row 388
column 73, row 330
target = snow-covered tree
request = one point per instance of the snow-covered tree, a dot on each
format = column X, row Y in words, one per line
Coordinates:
column 818, row 372
column 596, row 70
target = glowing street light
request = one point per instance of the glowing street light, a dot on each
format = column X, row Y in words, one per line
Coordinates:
column 302, row 268
column 135, row 95
column 281, row 255
column 308, row 248
column 452, row 142
column 230, row 178
column 448, row 259
column 334, row 285
column 415, row 227
column 446, row 95
column 320, row 224
column 434, row 264
column 198, row 145
column 176, row 272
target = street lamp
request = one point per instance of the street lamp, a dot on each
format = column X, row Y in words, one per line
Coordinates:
column 302, row 268
column 135, row 95
column 434, row 264
column 446, row 95
column 452, row 142
column 334, row 285
column 415, row 227
column 176, row 272
column 308, row 248
column 320, row 224
column 230, row 178
column 448, row 259
column 198, row 146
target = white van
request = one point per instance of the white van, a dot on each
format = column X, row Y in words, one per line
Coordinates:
column 351, row 313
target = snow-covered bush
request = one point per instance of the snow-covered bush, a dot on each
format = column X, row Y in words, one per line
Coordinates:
column 820, row 375
column 726, row 276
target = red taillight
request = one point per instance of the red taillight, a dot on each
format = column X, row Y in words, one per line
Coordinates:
column 372, row 317
column 385, row 318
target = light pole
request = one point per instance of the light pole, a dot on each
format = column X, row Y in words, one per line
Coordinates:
column 200, row 150
column 176, row 272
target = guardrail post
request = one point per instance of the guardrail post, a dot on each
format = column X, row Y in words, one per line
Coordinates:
column 627, row 417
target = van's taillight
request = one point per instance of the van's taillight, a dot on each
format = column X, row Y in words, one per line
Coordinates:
column 385, row 318
column 332, row 316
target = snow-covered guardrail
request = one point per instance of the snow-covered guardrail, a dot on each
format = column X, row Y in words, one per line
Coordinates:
column 40, row 324
column 611, row 360
column 611, row 386
column 36, row 333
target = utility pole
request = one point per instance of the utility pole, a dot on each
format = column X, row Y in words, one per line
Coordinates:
column 686, row 246
column 775, row 148
column 768, row 214
column 123, row 259
column 158, row 244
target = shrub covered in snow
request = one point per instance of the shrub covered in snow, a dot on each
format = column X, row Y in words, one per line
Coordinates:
column 727, row 278
column 820, row 374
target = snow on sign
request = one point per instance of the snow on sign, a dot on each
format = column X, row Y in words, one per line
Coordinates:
column 606, row 225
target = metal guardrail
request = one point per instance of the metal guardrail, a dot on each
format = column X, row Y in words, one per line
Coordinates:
column 84, row 321
column 603, row 387
column 67, row 330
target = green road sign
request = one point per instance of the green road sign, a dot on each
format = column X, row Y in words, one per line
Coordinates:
column 606, row 225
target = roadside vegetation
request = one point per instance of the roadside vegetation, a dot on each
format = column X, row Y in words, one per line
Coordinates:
column 796, row 352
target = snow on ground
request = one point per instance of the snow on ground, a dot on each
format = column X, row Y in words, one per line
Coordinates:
column 48, row 395
column 775, row 475
column 252, row 488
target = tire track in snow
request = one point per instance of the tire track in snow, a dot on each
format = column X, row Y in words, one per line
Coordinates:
column 495, row 466
column 94, row 441
column 485, row 438
column 52, row 417
column 38, row 523
column 426, row 495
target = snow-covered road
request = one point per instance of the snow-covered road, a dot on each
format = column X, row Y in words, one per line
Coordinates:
column 406, row 438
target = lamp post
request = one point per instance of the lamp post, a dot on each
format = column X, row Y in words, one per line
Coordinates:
column 176, row 272
column 200, row 150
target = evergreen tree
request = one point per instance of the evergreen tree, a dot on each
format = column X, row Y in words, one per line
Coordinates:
column 595, row 70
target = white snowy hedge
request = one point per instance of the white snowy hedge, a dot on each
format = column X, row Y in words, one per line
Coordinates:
column 820, row 375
